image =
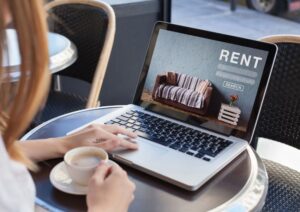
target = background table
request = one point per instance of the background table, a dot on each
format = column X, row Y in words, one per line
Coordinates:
column 240, row 186
column 62, row 53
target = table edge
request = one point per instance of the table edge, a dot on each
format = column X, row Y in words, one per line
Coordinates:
column 28, row 134
column 252, row 196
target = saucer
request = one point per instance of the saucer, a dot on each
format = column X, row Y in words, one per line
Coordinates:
column 61, row 180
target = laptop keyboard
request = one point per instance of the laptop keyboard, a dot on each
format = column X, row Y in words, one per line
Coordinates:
column 178, row 137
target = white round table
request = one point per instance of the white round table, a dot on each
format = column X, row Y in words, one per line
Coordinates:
column 62, row 53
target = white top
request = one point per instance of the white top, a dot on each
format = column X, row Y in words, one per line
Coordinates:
column 17, row 191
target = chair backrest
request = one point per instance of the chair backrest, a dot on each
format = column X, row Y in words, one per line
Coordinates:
column 90, row 25
column 280, row 115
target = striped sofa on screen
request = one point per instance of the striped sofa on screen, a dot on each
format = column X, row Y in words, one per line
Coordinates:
column 182, row 91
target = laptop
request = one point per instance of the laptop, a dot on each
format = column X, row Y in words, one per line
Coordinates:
column 196, row 104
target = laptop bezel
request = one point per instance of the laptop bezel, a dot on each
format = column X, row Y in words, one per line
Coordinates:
column 270, row 48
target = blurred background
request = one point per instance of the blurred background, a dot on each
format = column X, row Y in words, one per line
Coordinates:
column 246, row 18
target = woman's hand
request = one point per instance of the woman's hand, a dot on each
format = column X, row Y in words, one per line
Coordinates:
column 104, row 136
column 109, row 190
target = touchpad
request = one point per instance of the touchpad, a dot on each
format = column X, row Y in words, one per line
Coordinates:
column 146, row 152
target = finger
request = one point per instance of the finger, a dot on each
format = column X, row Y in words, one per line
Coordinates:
column 120, row 130
column 117, row 171
column 131, row 186
column 128, row 144
column 101, row 172
column 105, row 134
column 112, row 141
column 108, row 145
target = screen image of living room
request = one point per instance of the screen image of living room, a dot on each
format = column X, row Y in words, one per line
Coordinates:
column 214, row 80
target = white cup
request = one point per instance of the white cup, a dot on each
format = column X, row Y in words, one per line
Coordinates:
column 81, row 163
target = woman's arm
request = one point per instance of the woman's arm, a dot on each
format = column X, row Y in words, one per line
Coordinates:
column 44, row 149
column 104, row 136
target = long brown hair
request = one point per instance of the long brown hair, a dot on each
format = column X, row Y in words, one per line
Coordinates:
column 20, row 101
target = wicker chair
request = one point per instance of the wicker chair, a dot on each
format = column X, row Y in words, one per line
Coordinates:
column 90, row 25
column 280, row 120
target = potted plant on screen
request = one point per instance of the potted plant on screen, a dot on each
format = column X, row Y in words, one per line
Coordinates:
column 233, row 99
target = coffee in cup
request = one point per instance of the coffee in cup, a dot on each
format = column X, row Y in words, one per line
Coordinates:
column 81, row 163
column 86, row 159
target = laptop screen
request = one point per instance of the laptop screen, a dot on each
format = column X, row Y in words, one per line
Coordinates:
column 206, row 79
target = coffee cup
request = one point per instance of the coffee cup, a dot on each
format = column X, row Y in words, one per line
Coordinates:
column 81, row 163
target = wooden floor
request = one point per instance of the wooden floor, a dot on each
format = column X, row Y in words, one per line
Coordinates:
column 148, row 98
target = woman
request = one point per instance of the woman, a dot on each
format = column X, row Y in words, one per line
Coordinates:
column 109, row 189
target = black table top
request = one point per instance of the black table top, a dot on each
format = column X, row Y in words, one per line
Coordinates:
column 226, row 188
